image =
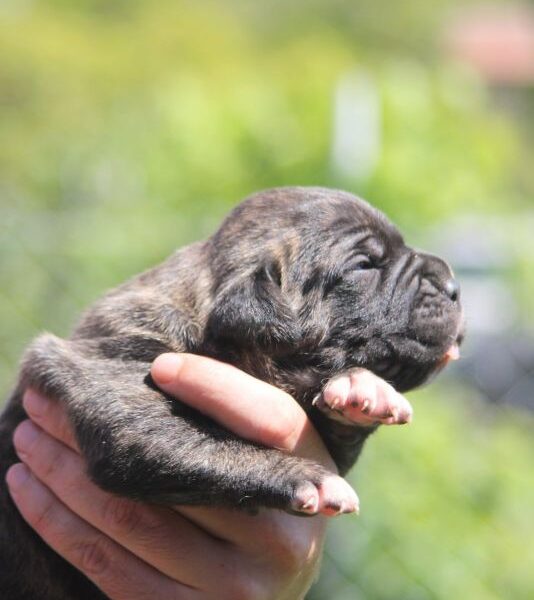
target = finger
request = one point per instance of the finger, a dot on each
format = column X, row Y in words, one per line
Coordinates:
column 280, row 533
column 117, row 572
column 290, row 547
column 251, row 408
column 163, row 539
column 50, row 415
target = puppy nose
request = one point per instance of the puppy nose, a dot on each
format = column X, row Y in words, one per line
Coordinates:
column 452, row 289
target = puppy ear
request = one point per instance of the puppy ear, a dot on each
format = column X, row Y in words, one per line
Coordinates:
column 253, row 312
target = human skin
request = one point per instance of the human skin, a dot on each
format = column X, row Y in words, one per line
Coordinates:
column 133, row 551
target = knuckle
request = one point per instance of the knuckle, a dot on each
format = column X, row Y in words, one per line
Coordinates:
column 128, row 517
column 50, row 461
column 94, row 557
column 121, row 515
column 43, row 518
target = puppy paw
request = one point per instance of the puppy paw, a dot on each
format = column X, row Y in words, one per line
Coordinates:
column 337, row 497
column 333, row 496
column 362, row 398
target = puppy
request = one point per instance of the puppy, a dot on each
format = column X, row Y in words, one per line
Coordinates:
column 298, row 287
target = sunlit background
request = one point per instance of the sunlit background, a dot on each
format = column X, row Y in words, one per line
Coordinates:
column 130, row 127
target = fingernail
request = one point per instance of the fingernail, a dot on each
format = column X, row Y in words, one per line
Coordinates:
column 166, row 366
column 17, row 476
column 35, row 404
column 25, row 434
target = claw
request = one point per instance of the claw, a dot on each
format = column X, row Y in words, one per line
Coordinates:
column 338, row 497
column 306, row 499
column 362, row 398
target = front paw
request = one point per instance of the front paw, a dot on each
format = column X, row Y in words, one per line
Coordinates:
column 330, row 496
column 361, row 398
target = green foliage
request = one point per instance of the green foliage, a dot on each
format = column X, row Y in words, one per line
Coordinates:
column 129, row 128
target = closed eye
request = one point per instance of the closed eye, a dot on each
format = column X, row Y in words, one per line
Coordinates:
column 360, row 263
column 363, row 263
column 349, row 274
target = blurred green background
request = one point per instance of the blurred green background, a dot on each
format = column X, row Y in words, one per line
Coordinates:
column 129, row 128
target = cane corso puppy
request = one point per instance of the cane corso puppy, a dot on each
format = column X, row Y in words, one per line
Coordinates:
column 299, row 286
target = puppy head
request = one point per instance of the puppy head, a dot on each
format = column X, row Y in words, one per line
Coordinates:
column 319, row 279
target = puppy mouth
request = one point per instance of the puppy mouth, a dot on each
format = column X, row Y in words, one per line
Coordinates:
column 453, row 351
column 413, row 362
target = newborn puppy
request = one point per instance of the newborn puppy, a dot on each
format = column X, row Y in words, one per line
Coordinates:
column 299, row 287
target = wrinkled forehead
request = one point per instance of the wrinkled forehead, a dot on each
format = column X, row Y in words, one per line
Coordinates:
column 295, row 224
column 350, row 220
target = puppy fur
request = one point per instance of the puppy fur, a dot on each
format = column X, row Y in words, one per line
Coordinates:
column 297, row 286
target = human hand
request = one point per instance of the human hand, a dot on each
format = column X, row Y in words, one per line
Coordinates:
column 135, row 551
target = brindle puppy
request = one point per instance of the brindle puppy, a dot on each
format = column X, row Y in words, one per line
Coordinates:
column 297, row 286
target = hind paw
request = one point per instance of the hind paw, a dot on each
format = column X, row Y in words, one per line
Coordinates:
column 332, row 496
